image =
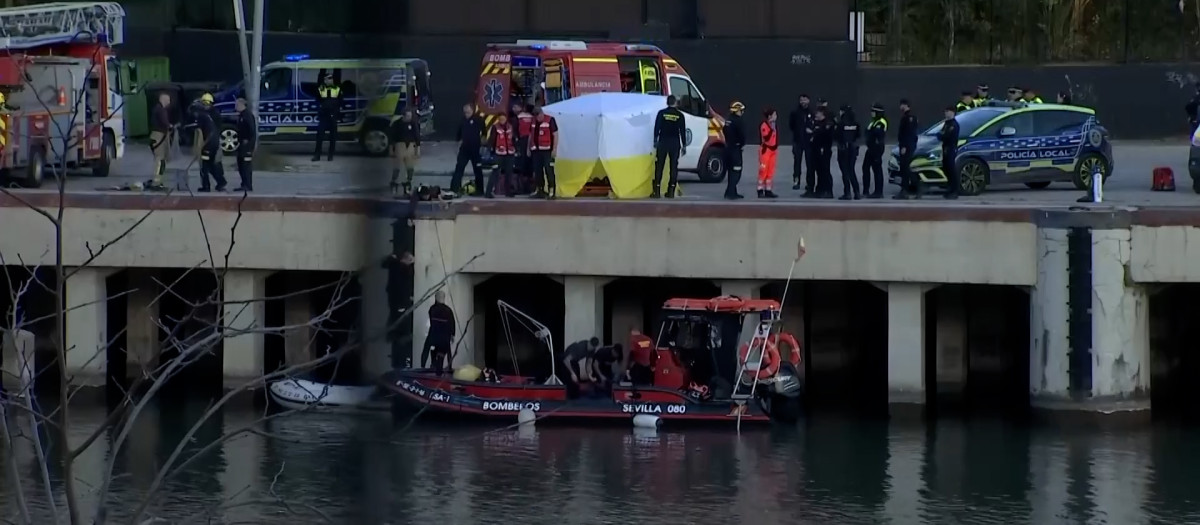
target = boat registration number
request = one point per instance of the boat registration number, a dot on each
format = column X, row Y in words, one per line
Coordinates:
column 510, row 406
column 653, row 408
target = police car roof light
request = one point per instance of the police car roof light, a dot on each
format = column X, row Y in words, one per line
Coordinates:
column 295, row 58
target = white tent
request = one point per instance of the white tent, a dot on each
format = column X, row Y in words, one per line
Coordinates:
column 606, row 135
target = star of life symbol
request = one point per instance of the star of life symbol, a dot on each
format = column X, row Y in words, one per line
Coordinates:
column 493, row 93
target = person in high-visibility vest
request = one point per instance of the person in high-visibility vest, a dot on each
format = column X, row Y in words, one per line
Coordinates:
column 4, row 110
column 981, row 95
column 329, row 109
column 768, row 148
column 210, row 149
column 504, row 144
column 965, row 103
column 543, row 146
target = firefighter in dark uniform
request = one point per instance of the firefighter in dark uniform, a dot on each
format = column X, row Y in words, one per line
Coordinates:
column 210, row 148
column 470, row 138
column 872, row 165
column 800, row 124
column 948, row 136
column 981, row 95
column 405, row 136
column 543, row 148
column 910, row 183
column 822, row 146
column 735, row 140
column 670, row 136
column 161, row 135
column 847, row 135
column 329, row 113
column 964, row 103
column 247, row 128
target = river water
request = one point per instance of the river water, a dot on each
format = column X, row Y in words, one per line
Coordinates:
column 368, row 469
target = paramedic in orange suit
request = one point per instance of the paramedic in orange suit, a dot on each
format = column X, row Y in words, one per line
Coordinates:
column 767, row 150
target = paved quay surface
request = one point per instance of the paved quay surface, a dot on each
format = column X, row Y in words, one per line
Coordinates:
column 288, row 171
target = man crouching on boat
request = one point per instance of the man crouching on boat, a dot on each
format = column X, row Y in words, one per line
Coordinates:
column 441, row 334
column 577, row 357
column 608, row 367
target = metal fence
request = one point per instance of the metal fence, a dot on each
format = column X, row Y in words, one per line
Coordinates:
column 1030, row 31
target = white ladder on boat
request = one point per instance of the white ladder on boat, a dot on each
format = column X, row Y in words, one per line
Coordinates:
column 758, row 344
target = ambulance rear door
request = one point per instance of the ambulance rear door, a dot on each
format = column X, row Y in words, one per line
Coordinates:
column 695, row 110
column 594, row 74
column 495, row 84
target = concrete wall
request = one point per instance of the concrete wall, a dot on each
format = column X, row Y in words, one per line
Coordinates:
column 735, row 69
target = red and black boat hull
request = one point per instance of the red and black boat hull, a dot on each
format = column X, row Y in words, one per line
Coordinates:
column 422, row 390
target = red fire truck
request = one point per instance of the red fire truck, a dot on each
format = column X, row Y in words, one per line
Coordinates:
column 60, row 80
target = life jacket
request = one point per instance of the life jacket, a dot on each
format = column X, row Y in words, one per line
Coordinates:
column 770, row 139
column 640, row 348
column 543, row 133
column 524, row 124
column 504, row 138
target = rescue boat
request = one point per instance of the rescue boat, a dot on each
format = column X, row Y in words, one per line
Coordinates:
column 696, row 371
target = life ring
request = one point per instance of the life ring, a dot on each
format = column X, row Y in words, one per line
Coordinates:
column 770, row 357
column 795, row 355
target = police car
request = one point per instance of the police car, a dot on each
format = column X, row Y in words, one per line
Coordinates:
column 1000, row 143
column 374, row 92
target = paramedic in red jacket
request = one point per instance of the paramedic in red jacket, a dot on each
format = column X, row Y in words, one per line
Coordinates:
column 504, row 144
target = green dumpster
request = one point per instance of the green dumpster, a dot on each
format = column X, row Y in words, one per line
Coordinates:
column 135, row 74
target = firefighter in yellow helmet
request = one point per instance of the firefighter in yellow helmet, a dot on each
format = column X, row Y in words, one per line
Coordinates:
column 210, row 143
column 735, row 139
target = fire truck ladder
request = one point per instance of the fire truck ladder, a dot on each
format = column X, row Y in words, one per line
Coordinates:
column 62, row 23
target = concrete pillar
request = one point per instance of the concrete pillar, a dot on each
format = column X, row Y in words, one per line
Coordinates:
column 746, row 289
column 628, row 314
column 951, row 342
column 1049, row 349
column 142, row 344
column 584, row 300
column 244, row 308
column 87, row 326
column 906, row 343
column 1120, row 322
column 18, row 371
column 376, row 348
column 297, row 338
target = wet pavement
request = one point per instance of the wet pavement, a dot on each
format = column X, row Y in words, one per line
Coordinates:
column 288, row 170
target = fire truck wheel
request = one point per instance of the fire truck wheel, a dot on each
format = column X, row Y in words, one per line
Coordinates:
column 36, row 170
column 108, row 153
column 712, row 165
column 229, row 138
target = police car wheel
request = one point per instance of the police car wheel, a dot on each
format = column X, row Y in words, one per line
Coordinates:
column 375, row 141
column 1038, row 185
column 229, row 139
column 1082, row 178
column 972, row 177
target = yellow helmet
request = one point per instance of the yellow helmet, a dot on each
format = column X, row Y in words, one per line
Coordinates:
column 737, row 106
column 206, row 98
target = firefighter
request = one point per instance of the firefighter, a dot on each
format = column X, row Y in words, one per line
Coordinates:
column 210, row 148
column 522, row 121
column 161, row 135
column 329, row 113
column 847, row 136
column 247, row 128
column 800, row 124
column 543, row 148
column 981, row 95
column 965, row 102
column 670, row 142
column 910, row 183
column 1030, row 97
column 768, row 147
column 405, row 134
column 503, row 142
column 735, row 140
column 470, row 139
column 949, row 139
column 824, row 131
column 872, row 165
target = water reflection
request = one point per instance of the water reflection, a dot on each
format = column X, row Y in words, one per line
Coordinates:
column 351, row 469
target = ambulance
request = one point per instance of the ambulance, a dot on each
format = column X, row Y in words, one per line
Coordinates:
column 61, row 86
column 548, row 71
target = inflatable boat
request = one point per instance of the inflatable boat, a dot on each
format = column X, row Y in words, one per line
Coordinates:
column 302, row 394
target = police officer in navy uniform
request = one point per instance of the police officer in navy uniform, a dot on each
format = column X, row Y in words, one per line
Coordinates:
column 800, row 124
column 948, row 136
column 329, row 109
column 847, row 137
column 735, row 140
column 872, row 165
column 824, row 132
column 470, row 138
column 247, row 128
column 670, row 136
column 910, row 183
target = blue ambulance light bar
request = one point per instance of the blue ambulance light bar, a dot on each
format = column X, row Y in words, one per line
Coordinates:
column 642, row 47
column 295, row 58
column 538, row 47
